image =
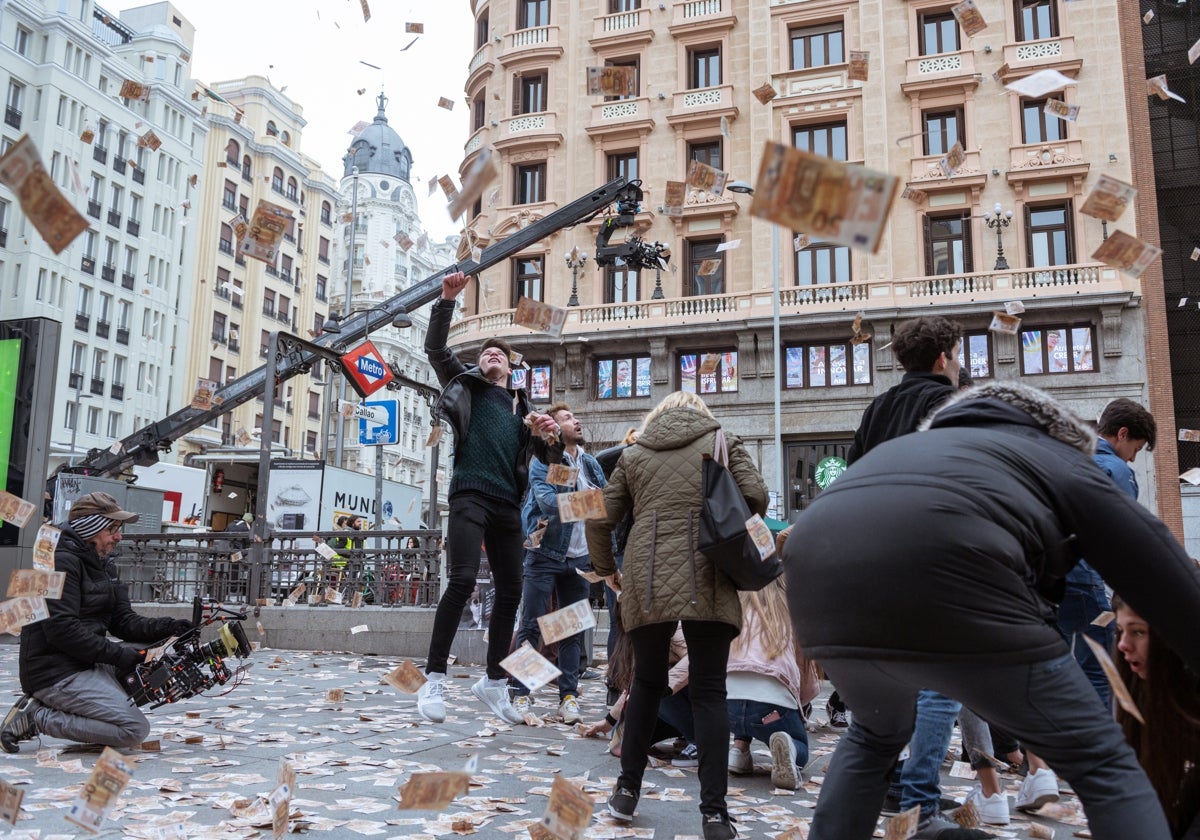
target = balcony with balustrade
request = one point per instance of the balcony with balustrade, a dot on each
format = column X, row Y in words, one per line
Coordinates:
column 632, row 28
column 970, row 293
column 480, row 66
column 702, row 104
column 941, row 72
column 620, row 115
column 539, row 129
column 689, row 17
column 536, row 44
column 1024, row 57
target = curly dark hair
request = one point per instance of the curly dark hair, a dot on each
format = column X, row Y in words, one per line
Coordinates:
column 919, row 342
column 1126, row 413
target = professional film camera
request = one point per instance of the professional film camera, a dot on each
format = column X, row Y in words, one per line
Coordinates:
column 634, row 252
column 185, row 667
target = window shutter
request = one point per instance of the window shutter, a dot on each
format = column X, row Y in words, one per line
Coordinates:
column 516, row 100
column 927, row 235
column 1069, row 219
column 968, row 237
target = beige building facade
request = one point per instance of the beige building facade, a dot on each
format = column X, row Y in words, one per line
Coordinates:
column 253, row 153
column 636, row 336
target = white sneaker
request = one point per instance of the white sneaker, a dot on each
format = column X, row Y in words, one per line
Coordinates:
column 523, row 705
column 1038, row 789
column 494, row 693
column 783, row 761
column 431, row 698
column 993, row 810
column 568, row 709
column 741, row 762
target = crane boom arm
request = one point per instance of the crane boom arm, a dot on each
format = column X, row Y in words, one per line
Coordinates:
column 142, row 447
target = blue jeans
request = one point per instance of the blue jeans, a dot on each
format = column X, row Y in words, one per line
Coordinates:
column 920, row 776
column 544, row 575
column 1078, row 609
column 746, row 722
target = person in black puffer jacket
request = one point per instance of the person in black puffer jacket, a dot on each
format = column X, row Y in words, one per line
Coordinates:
column 935, row 562
column 69, row 667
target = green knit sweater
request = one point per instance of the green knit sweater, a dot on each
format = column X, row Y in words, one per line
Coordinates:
column 485, row 462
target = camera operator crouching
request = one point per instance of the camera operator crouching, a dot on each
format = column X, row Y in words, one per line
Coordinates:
column 69, row 667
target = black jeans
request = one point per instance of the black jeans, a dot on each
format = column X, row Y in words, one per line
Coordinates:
column 1049, row 705
column 477, row 520
column 706, row 686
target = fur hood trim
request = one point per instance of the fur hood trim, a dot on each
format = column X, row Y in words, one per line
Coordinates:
column 1047, row 413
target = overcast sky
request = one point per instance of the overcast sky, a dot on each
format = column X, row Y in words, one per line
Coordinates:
column 316, row 47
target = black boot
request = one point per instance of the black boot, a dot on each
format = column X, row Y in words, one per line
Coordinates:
column 18, row 724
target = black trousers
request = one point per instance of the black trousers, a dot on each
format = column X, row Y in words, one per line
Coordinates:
column 1049, row 705
column 706, row 685
column 478, row 520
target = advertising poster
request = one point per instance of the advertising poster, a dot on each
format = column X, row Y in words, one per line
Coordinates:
column 347, row 493
column 294, row 497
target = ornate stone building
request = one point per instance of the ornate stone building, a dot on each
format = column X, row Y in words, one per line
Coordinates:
column 789, row 380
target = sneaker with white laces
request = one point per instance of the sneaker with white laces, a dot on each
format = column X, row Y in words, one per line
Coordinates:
column 431, row 698
column 838, row 718
column 1039, row 788
column 523, row 705
column 993, row 810
column 719, row 827
column 689, row 756
column 568, row 709
column 783, row 761
column 741, row 762
column 494, row 694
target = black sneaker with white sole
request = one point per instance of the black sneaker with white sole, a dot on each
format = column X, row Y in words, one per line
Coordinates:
column 622, row 804
column 18, row 724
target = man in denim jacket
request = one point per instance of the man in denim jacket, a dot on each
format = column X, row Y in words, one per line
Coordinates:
column 553, row 563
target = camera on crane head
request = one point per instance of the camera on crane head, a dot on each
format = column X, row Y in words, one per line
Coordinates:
column 634, row 252
column 188, row 667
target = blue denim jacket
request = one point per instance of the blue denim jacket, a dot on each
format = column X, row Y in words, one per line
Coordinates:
column 542, row 503
column 1122, row 475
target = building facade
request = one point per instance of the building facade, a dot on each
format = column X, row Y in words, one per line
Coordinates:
column 122, row 289
column 636, row 336
column 381, row 249
column 253, row 153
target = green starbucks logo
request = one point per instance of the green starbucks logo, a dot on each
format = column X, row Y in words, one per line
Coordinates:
column 828, row 469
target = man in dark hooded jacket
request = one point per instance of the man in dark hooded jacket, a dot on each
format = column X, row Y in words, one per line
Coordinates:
column 933, row 563
column 492, row 447
column 69, row 667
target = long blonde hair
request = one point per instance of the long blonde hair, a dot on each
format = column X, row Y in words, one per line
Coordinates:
column 772, row 621
column 676, row 399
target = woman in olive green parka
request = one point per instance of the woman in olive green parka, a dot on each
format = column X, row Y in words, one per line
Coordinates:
column 664, row 580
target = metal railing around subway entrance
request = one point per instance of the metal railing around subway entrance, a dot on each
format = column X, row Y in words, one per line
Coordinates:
column 374, row 568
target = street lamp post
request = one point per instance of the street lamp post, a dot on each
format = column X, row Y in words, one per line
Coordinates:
column 79, row 395
column 575, row 261
column 998, row 220
column 341, row 421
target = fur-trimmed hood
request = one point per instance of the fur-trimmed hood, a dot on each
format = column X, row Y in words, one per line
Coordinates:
column 992, row 403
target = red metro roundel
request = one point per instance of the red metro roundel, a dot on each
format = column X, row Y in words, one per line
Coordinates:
column 367, row 370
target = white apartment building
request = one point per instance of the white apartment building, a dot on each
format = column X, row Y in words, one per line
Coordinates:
column 122, row 289
column 382, row 221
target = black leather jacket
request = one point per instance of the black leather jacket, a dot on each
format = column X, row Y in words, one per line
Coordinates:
column 459, row 383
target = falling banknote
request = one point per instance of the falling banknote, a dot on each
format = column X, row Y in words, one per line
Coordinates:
column 108, row 779
column 40, row 582
column 834, row 201
column 1128, row 253
column 1108, row 199
column 267, row 227
column 58, row 222
column 540, row 317
column 582, row 504
column 571, row 619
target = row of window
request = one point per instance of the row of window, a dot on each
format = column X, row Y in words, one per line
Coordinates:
column 1044, row 350
column 810, row 46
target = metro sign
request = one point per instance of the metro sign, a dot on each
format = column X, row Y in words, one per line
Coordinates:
column 365, row 368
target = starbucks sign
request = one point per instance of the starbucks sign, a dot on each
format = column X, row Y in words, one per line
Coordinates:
column 829, row 469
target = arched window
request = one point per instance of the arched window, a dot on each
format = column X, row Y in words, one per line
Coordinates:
column 226, row 238
column 285, row 138
column 326, row 213
column 277, row 180
column 246, row 167
column 233, row 151
column 291, row 188
column 272, row 131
